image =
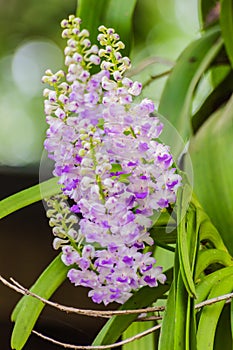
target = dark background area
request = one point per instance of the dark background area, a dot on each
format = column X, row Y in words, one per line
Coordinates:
column 25, row 251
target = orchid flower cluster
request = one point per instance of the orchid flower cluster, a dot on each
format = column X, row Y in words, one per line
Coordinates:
column 110, row 165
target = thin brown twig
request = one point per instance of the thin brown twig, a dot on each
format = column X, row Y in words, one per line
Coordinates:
column 68, row 309
column 135, row 337
column 149, row 318
column 103, row 313
column 20, row 289
column 148, row 62
column 157, row 76
column 99, row 347
column 224, row 297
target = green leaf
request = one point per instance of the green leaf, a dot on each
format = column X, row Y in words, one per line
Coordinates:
column 231, row 319
column 187, row 240
column 209, row 233
column 209, row 257
column 29, row 308
column 115, row 14
column 184, row 258
column 223, row 330
column 92, row 14
column 114, row 328
column 159, row 233
column 211, row 152
column 176, row 99
column 146, row 342
column 217, row 97
column 203, row 288
column 179, row 319
column 210, row 315
column 31, row 195
column 181, row 309
column 226, row 23
column 168, row 324
column 119, row 15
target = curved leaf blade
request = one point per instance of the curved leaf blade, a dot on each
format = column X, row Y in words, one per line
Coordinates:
column 211, row 149
column 210, row 315
column 111, row 13
column 226, row 23
column 176, row 99
column 212, row 256
column 223, row 330
column 204, row 287
column 168, row 324
column 146, row 342
column 209, row 233
column 29, row 308
column 181, row 314
column 187, row 240
column 92, row 14
column 217, row 98
column 30, row 195
column 119, row 15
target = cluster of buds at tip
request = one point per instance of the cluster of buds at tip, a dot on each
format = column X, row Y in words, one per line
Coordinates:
column 62, row 221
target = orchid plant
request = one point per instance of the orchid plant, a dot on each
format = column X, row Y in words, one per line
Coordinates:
column 119, row 191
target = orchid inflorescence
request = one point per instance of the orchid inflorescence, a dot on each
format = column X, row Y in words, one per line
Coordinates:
column 110, row 165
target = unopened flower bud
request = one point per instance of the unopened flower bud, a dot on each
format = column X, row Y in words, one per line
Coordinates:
column 86, row 43
column 84, row 33
column 102, row 28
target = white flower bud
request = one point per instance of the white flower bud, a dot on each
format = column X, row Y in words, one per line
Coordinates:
column 117, row 75
column 64, row 23
column 108, row 84
column 135, row 89
column 84, row 33
column 65, row 33
column 102, row 28
column 58, row 242
column 86, row 43
column 110, row 31
column 94, row 59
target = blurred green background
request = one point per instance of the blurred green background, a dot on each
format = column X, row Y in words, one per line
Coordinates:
column 30, row 43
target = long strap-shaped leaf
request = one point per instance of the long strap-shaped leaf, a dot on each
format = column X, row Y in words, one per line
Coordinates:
column 212, row 256
column 30, row 195
column 117, row 14
column 92, row 14
column 210, row 315
column 204, row 287
column 177, row 96
column 179, row 319
column 211, row 152
column 226, row 22
column 216, row 98
column 29, row 308
column 146, row 342
column 187, row 241
column 209, row 233
column 168, row 325
column 223, row 330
